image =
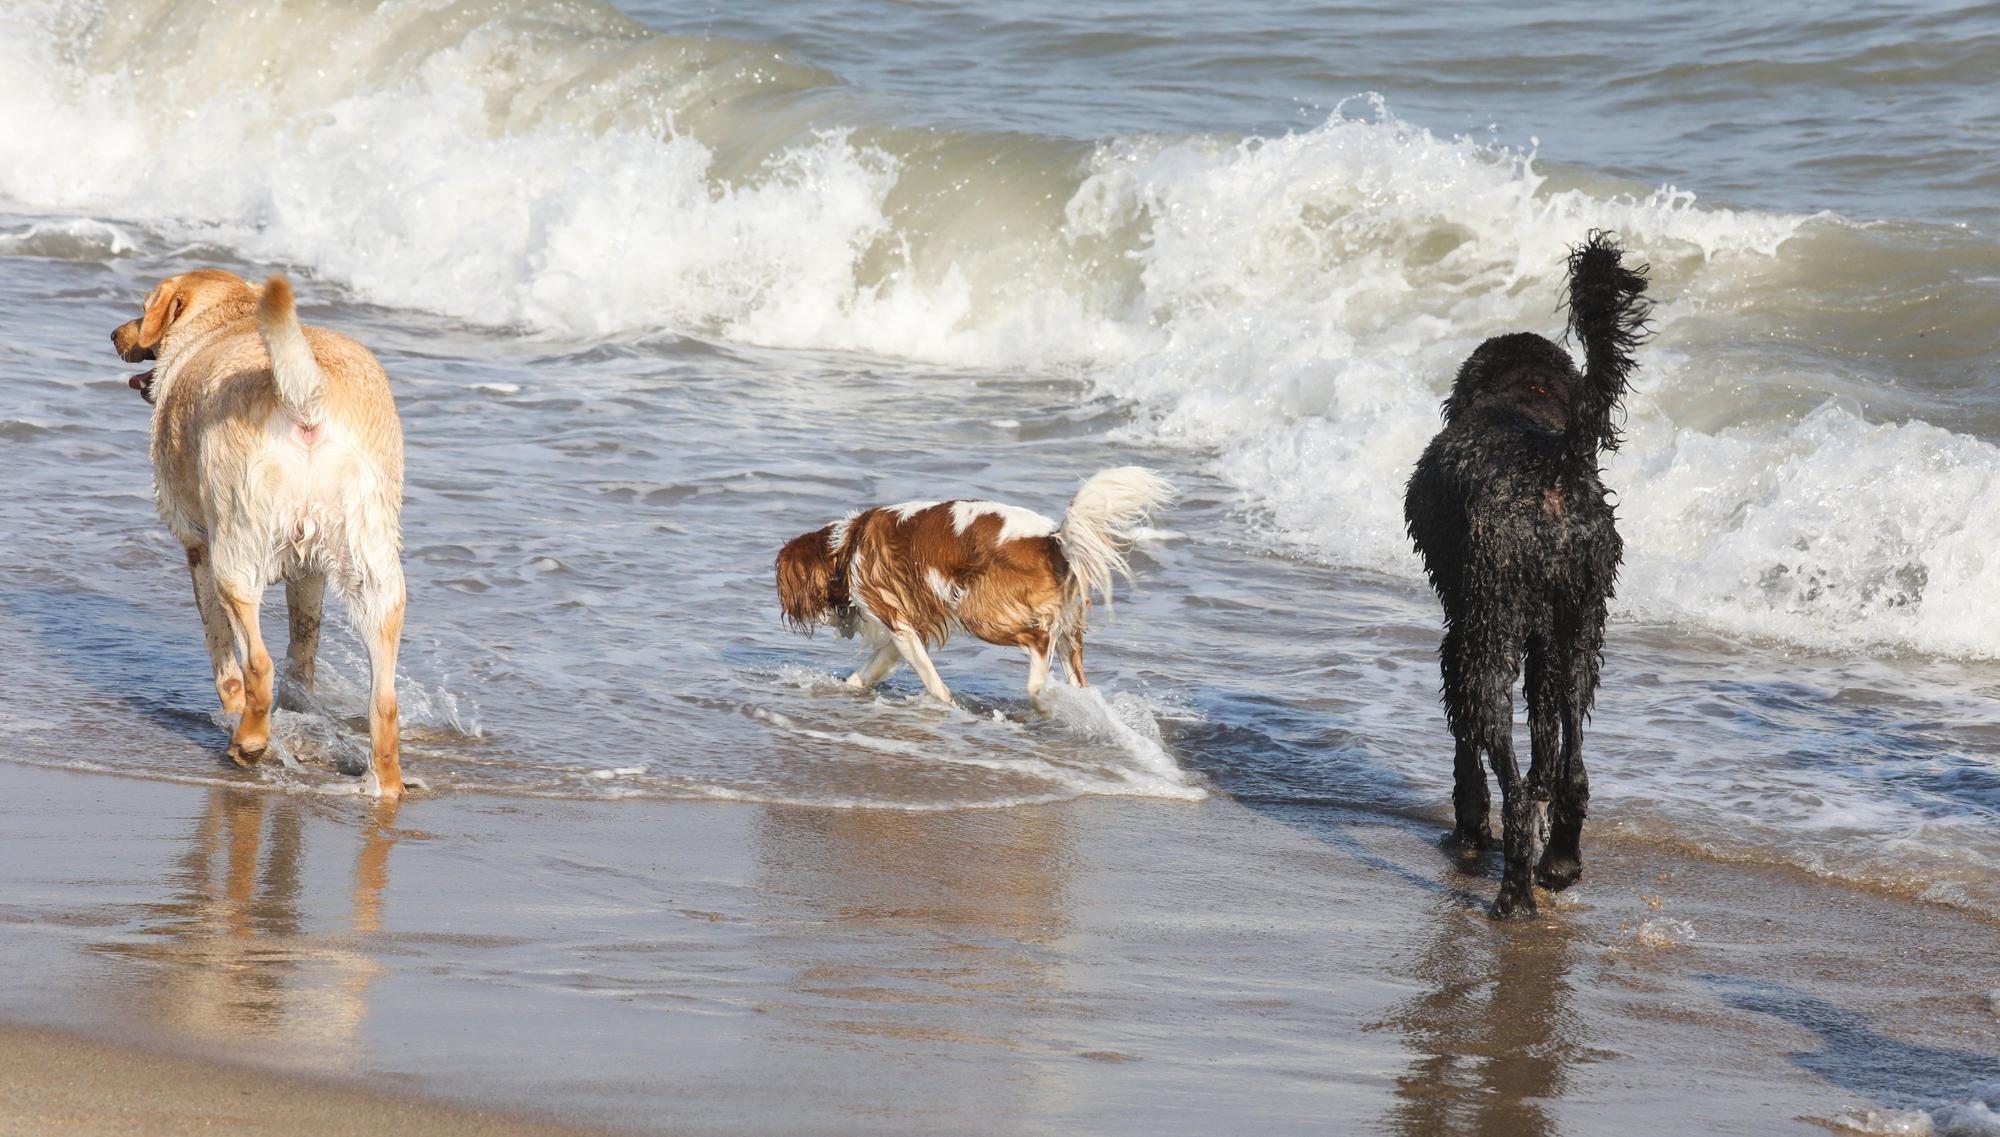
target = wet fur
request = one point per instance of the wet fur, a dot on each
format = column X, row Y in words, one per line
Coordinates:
column 1509, row 513
column 277, row 454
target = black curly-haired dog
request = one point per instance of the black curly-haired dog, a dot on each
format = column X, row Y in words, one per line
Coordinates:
column 1509, row 514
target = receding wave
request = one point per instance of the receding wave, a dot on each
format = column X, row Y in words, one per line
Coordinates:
column 1289, row 308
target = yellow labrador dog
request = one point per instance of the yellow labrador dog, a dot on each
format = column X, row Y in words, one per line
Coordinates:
column 277, row 453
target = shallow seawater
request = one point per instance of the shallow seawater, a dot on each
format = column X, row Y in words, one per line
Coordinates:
column 655, row 301
column 589, row 534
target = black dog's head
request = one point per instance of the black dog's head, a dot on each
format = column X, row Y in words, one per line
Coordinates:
column 1526, row 384
column 1520, row 380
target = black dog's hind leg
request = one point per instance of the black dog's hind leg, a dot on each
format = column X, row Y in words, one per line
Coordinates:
column 1470, row 799
column 1569, row 797
column 1484, row 700
column 1562, row 863
column 1547, row 689
column 1517, row 820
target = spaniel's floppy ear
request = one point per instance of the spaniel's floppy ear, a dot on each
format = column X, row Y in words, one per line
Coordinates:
column 805, row 579
column 163, row 307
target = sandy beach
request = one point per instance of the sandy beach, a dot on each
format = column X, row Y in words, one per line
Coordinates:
column 60, row 1083
column 1105, row 966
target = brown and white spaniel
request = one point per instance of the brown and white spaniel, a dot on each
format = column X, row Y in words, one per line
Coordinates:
column 906, row 576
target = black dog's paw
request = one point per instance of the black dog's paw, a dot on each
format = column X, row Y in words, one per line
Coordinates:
column 1469, row 844
column 1556, row 873
column 1513, row 904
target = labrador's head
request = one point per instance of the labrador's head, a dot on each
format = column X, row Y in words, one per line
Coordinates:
column 174, row 302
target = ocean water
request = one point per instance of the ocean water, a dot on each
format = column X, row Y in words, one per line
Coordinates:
column 664, row 286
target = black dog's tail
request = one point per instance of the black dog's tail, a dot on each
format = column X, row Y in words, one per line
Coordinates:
column 1607, row 311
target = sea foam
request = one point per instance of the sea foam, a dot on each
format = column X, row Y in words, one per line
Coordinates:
column 1289, row 308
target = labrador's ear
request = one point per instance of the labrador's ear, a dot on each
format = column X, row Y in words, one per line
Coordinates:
column 163, row 307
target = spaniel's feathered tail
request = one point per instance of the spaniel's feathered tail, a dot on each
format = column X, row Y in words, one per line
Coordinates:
column 1101, row 524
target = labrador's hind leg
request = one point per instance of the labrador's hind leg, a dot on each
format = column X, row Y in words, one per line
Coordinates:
column 378, row 611
column 252, row 736
column 216, row 631
column 305, row 605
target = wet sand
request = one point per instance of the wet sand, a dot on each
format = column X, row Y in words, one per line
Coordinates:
column 59, row 1083
column 1106, row 965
